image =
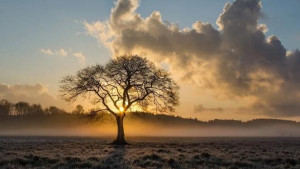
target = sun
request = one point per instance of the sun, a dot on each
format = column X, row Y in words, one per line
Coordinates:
column 121, row 109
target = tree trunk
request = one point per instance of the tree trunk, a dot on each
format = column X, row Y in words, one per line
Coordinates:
column 120, row 140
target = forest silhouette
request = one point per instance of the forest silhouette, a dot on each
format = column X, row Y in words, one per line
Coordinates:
column 22, row 116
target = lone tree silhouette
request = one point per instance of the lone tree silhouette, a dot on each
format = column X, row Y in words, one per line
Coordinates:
column 123, row 83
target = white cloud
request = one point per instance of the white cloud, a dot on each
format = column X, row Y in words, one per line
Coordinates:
column 81, row 58
column 60, row 52
column 46, row 51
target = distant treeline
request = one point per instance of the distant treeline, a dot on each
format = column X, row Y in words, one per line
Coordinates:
column 25, row 114
column 23, row 109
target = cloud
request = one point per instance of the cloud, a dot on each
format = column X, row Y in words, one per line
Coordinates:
column 81, row 58
column 46, row 51
column 200, row 108
column 34, row 94
column 60, row 52
column 236, row 60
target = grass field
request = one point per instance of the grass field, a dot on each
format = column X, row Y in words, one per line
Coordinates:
column 89, row 152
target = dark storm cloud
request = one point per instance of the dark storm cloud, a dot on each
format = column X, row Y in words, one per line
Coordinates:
column 236, row 60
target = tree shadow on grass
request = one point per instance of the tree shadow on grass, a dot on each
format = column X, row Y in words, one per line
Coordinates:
column 115, row 158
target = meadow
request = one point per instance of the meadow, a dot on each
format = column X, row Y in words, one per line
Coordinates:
column 150, row 152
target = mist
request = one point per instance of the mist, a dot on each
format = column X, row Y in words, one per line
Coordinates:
column 142, row 128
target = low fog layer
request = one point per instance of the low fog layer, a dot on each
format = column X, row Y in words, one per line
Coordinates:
column 144, row 124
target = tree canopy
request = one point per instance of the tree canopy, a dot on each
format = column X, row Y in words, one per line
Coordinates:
column 123, row 82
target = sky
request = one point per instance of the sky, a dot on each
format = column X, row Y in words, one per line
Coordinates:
column 234, row 61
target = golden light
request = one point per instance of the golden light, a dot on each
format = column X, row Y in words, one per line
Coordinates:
column 121, row 109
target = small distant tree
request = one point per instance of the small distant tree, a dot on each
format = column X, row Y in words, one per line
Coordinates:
column 124, row 83
column 36, row 109
column 54, row 111
column 22, row 108
column 78, row 110
column 5, row 108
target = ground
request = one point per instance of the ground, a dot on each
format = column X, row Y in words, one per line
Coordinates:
column 88, row 152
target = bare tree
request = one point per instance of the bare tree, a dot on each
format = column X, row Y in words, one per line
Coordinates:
column 22, row 108
column 124, row 83
column 36, row 109
column 78, row 110
column 5, row 108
